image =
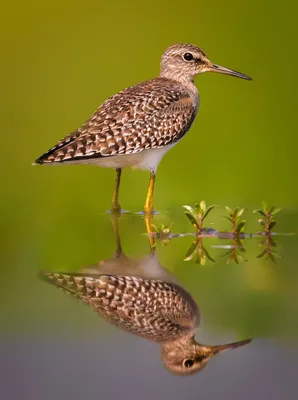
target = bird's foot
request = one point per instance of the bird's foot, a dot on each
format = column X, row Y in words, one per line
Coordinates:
column 148, row 211
column 116, row 209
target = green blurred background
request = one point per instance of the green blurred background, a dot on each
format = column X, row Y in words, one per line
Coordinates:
column 60, row 61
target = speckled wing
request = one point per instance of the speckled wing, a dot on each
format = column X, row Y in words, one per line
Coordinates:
column 153, row 309
column 150, row 115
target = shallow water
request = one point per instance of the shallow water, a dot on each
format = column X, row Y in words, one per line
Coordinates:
column 63, row 347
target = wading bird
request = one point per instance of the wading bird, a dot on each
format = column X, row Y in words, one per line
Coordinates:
column 138, row 126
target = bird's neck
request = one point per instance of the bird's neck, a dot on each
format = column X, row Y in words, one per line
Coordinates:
column 185, row 339
column 186, row 82
column 178, row 76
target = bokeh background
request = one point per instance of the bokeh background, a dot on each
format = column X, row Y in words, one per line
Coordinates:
column 60, row 61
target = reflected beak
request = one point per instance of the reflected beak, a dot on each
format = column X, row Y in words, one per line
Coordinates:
column 227, row 71
column 235, row 345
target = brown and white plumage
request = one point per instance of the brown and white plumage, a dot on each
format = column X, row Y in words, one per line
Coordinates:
column 137, row 126
column 153, row 309
column 152, row 115
column 156, row 310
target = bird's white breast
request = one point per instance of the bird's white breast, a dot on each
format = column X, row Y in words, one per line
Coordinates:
column 146, row 159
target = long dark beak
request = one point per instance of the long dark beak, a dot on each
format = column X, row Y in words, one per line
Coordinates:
column 227, row 71
column 219, row 349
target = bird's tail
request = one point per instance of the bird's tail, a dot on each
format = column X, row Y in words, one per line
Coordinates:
column 78, row 285
column 60, row 152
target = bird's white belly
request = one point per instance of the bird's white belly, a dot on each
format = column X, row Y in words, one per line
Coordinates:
column 146, row 159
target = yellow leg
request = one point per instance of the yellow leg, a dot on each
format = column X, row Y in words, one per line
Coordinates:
column 115, row 201
column 149, row 204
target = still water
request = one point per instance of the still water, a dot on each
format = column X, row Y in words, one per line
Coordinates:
column 180, row 299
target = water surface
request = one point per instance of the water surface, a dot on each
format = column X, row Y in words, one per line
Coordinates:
column 60, row 344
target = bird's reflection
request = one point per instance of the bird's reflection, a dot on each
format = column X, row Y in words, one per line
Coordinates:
column 141, row 297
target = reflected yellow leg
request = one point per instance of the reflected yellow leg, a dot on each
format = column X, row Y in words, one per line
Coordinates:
column 149, row 203
column 115, row 223
column 115, row 201
column 148, row 223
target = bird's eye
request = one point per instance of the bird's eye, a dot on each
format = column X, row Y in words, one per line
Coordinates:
column 188, row 363
column 187, row 56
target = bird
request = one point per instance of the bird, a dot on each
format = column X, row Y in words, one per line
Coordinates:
column 139, row 125
column 156, row 310
column 143, row 298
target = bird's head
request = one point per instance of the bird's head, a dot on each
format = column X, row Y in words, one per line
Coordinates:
column 183, row 61
column 186, row 356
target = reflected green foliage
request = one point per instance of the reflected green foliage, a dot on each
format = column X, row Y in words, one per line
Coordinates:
column 268, row 246
column 198, row 253
column 236, row 234
column 162, row 233
column 235, row 253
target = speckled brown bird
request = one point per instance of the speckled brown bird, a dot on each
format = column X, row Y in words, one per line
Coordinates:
column 136, row 127
column 156, row 310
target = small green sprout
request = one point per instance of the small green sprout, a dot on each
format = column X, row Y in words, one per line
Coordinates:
column 197, row 214
column 234, row 216
column 267, row 214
